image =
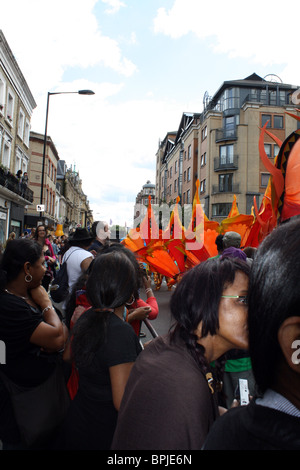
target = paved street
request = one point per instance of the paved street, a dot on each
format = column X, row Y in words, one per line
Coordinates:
column 163, row 321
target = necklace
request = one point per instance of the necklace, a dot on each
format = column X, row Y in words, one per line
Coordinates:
column 11, row 293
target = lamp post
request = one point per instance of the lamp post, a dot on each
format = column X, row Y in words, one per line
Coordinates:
column 80, row 92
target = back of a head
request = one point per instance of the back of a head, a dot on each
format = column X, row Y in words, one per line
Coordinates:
column 198, row 294
column 274, row 295
column 111, row 281
column 232, row 239
column 111, row 247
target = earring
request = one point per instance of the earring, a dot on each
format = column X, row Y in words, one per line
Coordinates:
column 131, row 301
column 28, row 278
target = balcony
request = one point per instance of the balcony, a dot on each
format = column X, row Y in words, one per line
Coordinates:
column 230, row 188
column 10, row 182
column 226, row 163
column 226, row 134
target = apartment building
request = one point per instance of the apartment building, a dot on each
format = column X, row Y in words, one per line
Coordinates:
column 16, row 107
column 219, row 146
column 47, row 196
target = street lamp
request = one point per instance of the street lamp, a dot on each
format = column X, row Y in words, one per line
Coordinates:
column 80, row 92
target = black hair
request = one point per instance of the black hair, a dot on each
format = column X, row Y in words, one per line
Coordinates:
column 36, row 233
column 274, row 295
column 16, row 254
column 197, row 298
column 114, row 246
column 110, row 284
column 219, row 242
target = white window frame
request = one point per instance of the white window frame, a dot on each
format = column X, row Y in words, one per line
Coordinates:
column 21, row 124
column 26, row 132
column 6, row 153
column 2, row 94
column 10, row 107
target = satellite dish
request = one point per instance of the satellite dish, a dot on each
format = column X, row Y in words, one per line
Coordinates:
column 273, row 78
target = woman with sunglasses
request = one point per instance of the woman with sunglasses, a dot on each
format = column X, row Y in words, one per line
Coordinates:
column 171, row 397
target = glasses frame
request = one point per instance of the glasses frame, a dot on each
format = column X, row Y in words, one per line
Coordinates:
column 240, row 297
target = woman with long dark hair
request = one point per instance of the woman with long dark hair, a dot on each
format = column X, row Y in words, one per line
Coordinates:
column 171, row 397
column 103, row 347
column 29, row 327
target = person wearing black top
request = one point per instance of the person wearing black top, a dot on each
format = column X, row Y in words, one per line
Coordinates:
column 29, row 327
column 103, row 347
column 272, row 419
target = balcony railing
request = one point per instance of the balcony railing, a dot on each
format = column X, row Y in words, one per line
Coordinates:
column 226, row 134
column 231, row 188
column 9, row 181
column 271, row 99
column 227, row 163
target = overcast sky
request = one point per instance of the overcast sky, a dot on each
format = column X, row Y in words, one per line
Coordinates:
column 147, row 61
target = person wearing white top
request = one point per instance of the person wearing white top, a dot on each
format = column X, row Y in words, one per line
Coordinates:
column 78, row 257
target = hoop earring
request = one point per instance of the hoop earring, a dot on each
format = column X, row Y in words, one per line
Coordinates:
column 130, row 303
column 28, row 278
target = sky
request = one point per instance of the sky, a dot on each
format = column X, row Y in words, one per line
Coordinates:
column 147, row 61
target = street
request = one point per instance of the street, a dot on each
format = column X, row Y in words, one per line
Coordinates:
column 163, row 322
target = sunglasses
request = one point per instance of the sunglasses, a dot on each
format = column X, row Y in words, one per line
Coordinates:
column 242, row 298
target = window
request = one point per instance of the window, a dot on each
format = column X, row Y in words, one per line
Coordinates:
column 189, row 152
column 189, row 174
column 276, row 150
column 184, row 176
column 203, row 159
column 230, row 125
column 265, row 118
column 225, row 182
column 278, row 121
column 203, row 186
column 175, row 167
column 188, row 196
column 268, row 150
column 21, row 124
column 26, row 133
column 2, row 94
column 230, row 98
column 221, row 209
column 264, row 179
column 6, row 153
column 175, row 186
column 171, row 171
column 226, row 154
column 204, row 133
column 10, row 107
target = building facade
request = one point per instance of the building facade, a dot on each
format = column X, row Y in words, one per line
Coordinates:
column 16, row 107
column 219, row 147
column 46, row 196
column 142, row 201
column 77, row 212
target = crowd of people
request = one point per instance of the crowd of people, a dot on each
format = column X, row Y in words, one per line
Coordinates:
column 235, row 316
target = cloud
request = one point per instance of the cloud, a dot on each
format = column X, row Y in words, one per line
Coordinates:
column 63, row 35
column 258, row 33
column 114, row 5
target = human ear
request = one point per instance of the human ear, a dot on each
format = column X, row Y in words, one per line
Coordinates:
column 289, row 341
